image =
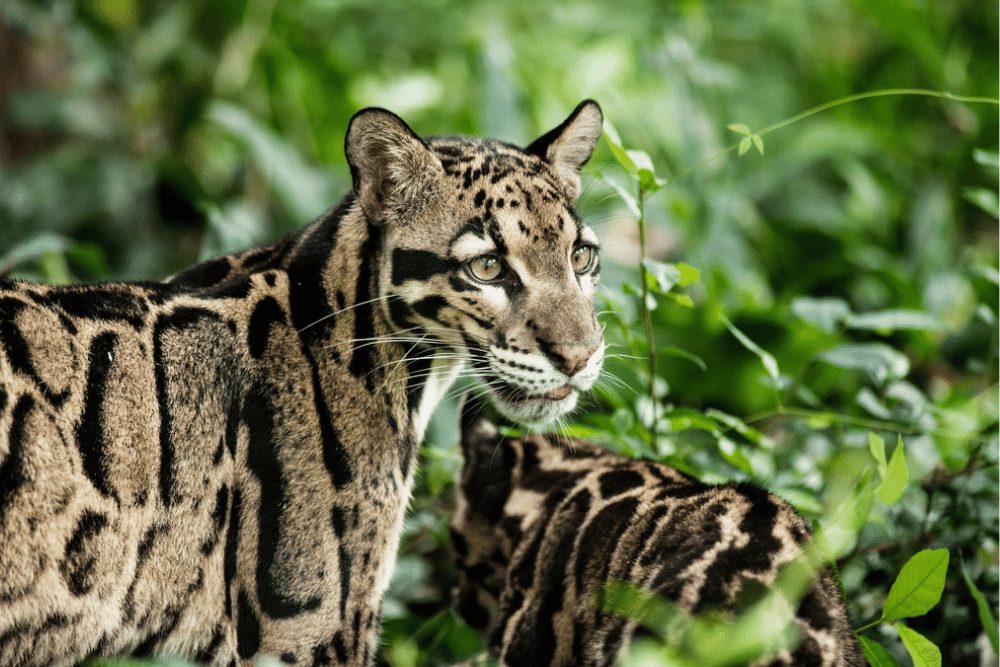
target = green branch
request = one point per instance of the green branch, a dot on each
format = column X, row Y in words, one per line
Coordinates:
column 826, row 106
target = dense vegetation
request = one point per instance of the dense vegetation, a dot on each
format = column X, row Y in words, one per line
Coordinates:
column 818, row 304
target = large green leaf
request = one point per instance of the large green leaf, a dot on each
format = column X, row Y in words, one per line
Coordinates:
column 918, row 586
column 923, row 651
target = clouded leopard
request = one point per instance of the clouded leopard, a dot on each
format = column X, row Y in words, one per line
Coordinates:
column 217, row 466
column 544, row 523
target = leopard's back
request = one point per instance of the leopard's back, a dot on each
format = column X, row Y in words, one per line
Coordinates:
column 538, row 550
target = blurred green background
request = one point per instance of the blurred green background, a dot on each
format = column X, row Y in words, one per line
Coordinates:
column 860, row 250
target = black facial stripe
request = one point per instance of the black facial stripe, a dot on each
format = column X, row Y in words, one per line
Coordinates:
column 409, row 264
column 431, row 306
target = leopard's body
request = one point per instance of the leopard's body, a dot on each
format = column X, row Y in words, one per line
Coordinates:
column 216, row 467
column 544, row 525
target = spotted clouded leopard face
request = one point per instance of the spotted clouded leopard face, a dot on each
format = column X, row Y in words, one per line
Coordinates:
column 484, row 254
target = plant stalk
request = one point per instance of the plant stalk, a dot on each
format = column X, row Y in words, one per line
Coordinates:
column 647, row 317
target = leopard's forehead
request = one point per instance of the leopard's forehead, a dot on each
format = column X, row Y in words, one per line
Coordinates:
column 490, row 165
column 509, row 197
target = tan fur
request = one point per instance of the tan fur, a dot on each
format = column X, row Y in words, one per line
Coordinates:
column 544, row 524
column 217, row 467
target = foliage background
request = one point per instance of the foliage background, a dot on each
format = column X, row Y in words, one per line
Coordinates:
column 138, row 137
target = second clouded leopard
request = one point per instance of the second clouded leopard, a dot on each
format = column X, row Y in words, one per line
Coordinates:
column 544, row 523
column 217, row 466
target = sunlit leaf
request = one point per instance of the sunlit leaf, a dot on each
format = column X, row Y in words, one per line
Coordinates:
column 894, row 320
column 923, row 651
column 918, row 585
column 880, row 361
column 739, row 128
column 617, row 149
column 984, row 199
column 758, row 143
column 689, row 274
column 827, row 313
column 877, row 447
column 745, row 144
column 897, row 474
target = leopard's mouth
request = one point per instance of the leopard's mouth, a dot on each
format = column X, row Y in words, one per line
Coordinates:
column 532, row 409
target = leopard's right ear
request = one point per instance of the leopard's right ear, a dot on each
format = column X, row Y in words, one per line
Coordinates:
column 477, row 429
column 391, row 167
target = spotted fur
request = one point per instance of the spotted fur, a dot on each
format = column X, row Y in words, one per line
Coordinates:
column 217, row 466
column 544, row 523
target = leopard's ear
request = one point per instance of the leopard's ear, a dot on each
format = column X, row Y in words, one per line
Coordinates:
column 390, row 165
column 568, row 147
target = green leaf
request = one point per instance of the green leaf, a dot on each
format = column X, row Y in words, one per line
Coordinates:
column 736, row 458
column 626, row 196
column 876, row 654
column 648, row 180
column 877, row 447
column 826, row 313
column 665, row 276
column 33, row 249
column 617, row 149
column 923, row 651
column 986, row 618
column 745, row 144
column 986, row 158
column 983, row 199
column 681, row 300
column 878, row 360
column 769, row 362
column 896, row 476
column 689, row 274
column 758, row 143
column 892, row 320
column 303, row 189
column 739, row 128
column 918, row 586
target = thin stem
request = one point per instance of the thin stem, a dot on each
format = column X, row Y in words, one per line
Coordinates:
column 888, row 92
column 867, row 626
column 647, row 316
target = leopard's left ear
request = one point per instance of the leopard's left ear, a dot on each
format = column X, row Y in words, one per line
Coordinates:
column 568, row 147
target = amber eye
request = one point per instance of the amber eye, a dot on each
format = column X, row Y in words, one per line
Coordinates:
column 583, row 258
column 486, row 268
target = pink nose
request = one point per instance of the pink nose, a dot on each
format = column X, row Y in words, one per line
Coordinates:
column 570, row 359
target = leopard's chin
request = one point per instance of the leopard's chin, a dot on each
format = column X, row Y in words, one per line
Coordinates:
column 534, row 411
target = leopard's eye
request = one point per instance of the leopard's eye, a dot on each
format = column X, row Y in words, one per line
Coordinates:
column 486, row 268
column 582, row 258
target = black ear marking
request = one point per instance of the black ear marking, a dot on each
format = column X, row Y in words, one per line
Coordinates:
column 569, row 146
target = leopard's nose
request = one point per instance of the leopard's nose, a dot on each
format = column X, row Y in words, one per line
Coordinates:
column 570, row 359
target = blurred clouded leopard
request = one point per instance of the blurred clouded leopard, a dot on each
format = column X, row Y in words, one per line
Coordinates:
column 544, row 523
column 217, row 466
